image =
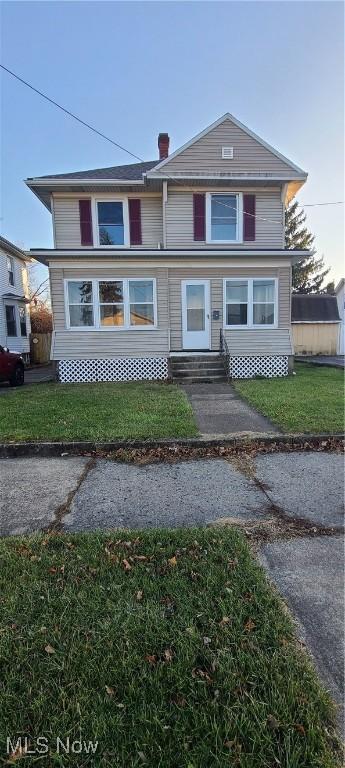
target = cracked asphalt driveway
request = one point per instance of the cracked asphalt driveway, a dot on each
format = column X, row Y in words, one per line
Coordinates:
column 291, row 504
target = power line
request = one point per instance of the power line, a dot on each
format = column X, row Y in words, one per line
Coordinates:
column 132, row 154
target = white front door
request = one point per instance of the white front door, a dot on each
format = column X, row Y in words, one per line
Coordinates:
column 196, row 314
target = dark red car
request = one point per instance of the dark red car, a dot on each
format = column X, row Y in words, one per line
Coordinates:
column 11, row 367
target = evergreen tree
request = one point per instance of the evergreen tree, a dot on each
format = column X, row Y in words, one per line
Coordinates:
column 309, row 273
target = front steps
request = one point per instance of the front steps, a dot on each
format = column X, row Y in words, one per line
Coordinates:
column 197, row 369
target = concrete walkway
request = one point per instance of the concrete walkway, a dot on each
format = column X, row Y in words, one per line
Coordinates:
column 290, row 505
column 219, row 410
column 332, row 361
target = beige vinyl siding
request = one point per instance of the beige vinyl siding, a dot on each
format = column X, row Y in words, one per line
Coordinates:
column 269, row 229
column 96, row 343
column 205, row 155
column 216, row 276
column 99, row 343
column 258, row 342
column 315, row 338
column 73, row 345
column 67, row 223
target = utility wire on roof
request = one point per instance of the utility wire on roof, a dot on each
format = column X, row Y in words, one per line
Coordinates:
column 119, row 146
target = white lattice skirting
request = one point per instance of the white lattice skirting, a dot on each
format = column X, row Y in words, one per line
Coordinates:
column 249, row 367
column 115, row 369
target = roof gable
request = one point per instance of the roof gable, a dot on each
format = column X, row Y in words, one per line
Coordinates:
column 251, row 153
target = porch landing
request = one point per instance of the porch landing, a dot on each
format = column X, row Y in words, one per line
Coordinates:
column 219, row 410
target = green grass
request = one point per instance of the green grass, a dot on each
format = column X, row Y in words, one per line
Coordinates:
column 311, row 401
column 95, row 412
column 189, row 663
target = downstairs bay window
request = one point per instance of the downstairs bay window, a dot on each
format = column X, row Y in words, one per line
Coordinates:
column 111, row 304
column 250, row 303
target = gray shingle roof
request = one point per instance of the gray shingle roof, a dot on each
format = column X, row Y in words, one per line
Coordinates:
column 132, row 172
column 314, row 307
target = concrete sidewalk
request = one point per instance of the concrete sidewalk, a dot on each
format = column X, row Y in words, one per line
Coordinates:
column 219, row 410
column 293, row 500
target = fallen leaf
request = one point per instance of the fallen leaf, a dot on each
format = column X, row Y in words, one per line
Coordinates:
column 225, row 620
column 142, row 756
column 151, row 659
column 139, row 595
column 207, row 640
column 249, row 625
column 18, row 753
column 120, row 706
column 49, row 649
column 126, row 565
column 172, row 561
column 299, row 728
column 168, row 654
column 180, row 701
column 110, row 691
column 272, row 723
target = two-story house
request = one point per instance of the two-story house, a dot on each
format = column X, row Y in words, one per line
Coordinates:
column 14, row 301
column 177, row 257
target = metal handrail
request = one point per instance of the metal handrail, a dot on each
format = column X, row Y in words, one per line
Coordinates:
column 224, row 352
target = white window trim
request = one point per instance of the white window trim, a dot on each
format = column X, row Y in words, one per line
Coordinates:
column 250, row 324
column 96, row 305
column 95, row 227
column 239, row 225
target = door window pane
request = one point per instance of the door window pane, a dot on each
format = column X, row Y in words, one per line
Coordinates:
column 195, row 300
column 11, row 320
column 110, row 223
column 224, row 215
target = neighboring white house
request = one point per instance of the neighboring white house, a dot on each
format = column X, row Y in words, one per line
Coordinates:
column 14, row 301
column 340, row 294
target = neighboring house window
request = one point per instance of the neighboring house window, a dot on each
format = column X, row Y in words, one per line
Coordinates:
column 10, row 270
column 250, row 303
column 141, row 303
column 111, row 303
column 11, row 320
column 22, row 321
column 110, row 222
column 224, row 218
column 80, row 303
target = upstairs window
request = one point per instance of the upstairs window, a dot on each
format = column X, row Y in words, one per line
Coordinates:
column 10, row 270
column 224, row 218
column 110, row 222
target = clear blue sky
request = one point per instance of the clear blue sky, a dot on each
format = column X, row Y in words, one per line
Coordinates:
column 134, row 69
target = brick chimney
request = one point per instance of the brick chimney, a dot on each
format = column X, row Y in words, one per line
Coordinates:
column 163, row 145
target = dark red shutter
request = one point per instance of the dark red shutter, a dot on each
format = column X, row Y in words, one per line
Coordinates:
column 199, row 217
column 85, row 222
column 134, row 207
column 248, row 217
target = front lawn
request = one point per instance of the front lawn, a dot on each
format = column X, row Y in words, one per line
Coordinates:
column 104, row 411
column 168, row 648
column 311, row 401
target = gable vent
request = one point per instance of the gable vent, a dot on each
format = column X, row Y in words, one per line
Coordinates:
column 227, row 153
